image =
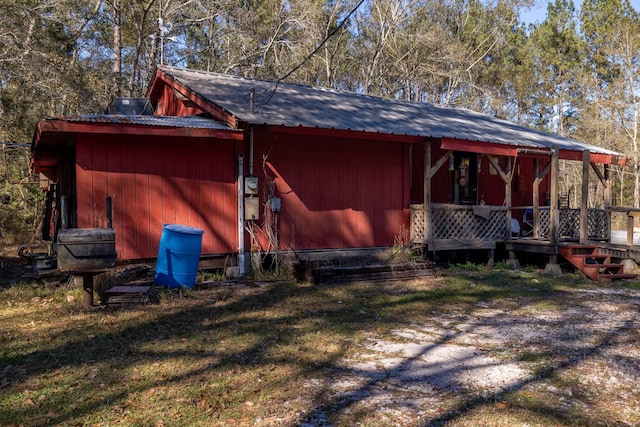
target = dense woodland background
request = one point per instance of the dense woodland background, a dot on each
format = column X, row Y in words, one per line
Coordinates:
column 576, row 73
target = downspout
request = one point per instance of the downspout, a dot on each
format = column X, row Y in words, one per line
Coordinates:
column 241, row 262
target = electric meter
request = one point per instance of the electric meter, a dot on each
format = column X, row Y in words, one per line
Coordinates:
column 251, row 185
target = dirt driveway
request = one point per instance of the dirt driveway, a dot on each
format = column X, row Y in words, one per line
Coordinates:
column 577, row 360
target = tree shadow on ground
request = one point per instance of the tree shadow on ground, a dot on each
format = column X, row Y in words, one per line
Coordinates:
column 226, row 333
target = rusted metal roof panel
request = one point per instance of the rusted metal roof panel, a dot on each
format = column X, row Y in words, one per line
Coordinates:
column 161, row 121
column 282, row 104
column 57, row 131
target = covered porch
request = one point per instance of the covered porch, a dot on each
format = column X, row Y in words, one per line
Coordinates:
column 544, row 225
column 482, row 227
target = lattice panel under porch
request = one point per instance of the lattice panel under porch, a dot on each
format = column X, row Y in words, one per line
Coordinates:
column 453, row 223
column 417, row 224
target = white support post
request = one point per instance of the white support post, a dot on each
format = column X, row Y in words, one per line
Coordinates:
column 241, row 255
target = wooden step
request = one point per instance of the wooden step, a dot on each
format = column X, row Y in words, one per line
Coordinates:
column 594, row 265
column 579, row 249
column 372, row 272
column 602, row 266
column 597, row 258
column 610, row 278
column 127, row 294
column 605, row 268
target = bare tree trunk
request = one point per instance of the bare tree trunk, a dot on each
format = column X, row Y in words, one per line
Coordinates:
column 636, row 184
column 135, row 72
column 117, row 49
column 632, row 133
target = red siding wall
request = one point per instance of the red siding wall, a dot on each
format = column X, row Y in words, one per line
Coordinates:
column 441, row 183
column 337, row 193
column 156, row 181
column 169, row 105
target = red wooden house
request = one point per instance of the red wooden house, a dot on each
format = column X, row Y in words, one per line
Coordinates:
column 322, row 169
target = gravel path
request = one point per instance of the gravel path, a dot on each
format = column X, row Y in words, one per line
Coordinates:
column 582, row 361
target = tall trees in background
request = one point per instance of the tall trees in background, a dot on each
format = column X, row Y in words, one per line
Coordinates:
column 558, row 54
column 575, row 73
column 424, row 50
column 40, row 75
column 611, row 91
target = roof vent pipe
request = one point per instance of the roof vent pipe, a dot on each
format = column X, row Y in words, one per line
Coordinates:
column 130, row 107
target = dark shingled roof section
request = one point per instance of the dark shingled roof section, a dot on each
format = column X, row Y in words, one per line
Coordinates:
column 294, row 105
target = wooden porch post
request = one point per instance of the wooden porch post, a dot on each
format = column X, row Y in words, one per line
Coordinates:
column 553, row 267
column 607, row 187
column 553, row 208
column 539, row 176
column 605, row 180
column 584, row 221
column 428, row 234
column 608, row 197
column 506, row 178
column 536, row 196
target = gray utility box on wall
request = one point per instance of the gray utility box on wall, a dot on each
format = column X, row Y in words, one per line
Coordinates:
column 251, row 208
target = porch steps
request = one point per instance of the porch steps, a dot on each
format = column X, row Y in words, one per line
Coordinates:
column 127, row 295
column 373, row 272
column 593, row 264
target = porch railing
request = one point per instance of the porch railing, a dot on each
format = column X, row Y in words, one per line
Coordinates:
column 464, row 223
column 460, row 222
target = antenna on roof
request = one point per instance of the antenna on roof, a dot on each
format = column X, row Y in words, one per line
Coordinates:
column 165, row 28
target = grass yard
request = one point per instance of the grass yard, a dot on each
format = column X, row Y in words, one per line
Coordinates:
column 528, row 350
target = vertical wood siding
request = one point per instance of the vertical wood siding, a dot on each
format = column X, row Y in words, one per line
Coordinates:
column 156, row 181
column 337, row 193
column 169, row 105
column 441, row 186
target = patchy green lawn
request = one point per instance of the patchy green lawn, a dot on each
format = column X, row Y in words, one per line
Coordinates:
column 466, row 348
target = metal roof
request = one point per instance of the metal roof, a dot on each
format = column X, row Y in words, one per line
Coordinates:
column 283, row 104
column 194, row 122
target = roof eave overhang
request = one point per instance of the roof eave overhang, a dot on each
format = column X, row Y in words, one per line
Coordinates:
column 345, row 133
column 514, row 150
column 49, row 128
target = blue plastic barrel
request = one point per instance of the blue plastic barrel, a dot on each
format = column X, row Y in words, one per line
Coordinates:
column 178, row 256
